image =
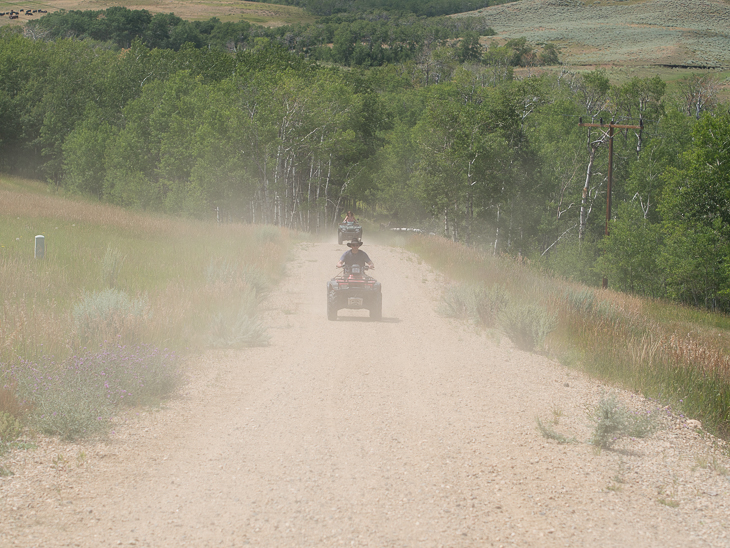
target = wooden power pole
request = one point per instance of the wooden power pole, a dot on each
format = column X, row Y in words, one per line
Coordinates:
column 610, row 127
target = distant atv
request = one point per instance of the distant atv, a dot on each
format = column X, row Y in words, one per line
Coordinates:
column 349, row 231
column 354, row 289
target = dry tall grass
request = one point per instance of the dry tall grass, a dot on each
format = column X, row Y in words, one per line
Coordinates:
column 165, row 262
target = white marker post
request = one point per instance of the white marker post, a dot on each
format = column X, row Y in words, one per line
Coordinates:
column 40, row 247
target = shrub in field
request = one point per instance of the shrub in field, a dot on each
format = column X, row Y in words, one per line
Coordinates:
column 580, row 301
column 613, row 420
column 526, row 325
column 77, row 397
column 489, row 304
column 481, row 304
column 111, row 266
column 68, row 400
column 456, row 302
column 223, row 272
column 107, row 314
column 140, row 374
column 237, row 328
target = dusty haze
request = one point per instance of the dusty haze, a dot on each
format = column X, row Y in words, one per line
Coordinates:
column 413, row 431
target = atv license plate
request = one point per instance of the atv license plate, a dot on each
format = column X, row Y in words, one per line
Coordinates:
column 354, row 301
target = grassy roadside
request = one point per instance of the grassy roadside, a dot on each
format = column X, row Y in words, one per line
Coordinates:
column 677, row 355
column 120, row 298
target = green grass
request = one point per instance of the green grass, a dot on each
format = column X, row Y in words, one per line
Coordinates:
column 671, row 353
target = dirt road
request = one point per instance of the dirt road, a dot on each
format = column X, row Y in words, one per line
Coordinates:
column 413, row 431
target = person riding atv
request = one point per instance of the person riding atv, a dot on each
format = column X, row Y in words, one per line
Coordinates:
column 349, row 229
column 353, row 288
column 355, row 256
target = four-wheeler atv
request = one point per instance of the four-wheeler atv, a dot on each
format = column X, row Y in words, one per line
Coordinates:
column 354, row 289
column 349, row 231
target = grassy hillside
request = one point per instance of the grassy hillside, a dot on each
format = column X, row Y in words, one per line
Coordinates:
column 270, row 15
column 677, row 33
column 107, row 316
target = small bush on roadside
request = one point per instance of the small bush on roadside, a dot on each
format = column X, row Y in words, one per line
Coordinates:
column 70, row 402
column 526, row 325
column 222, row 272
column 108, row 313
column 613, row 421
column 142, row 374
column 455, row 302
column 480, row 304
column 489, row 304
column 237, row 329
column 77, row 397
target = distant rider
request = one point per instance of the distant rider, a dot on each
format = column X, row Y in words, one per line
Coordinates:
column 350, row 218
column 354, row 256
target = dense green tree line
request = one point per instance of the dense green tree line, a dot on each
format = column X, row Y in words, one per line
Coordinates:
column 363, row 39
column 449, row 141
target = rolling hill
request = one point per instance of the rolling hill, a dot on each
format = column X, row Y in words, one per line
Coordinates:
column 670, row 33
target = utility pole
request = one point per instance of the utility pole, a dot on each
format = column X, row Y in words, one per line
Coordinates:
column 610, row 127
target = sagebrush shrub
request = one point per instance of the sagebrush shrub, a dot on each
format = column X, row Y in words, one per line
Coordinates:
column 68, row 401
column 235, row 329
column 613, row 421
column 478, row 303
column 77, row 397
column 455, row 302
column 581, row 302
column 223, row 272
column 106, row 314
column 489, row 303
column 526, row 325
